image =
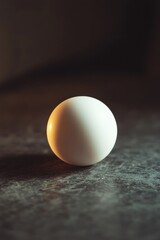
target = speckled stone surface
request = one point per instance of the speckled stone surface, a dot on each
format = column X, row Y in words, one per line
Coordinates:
column 43, row 198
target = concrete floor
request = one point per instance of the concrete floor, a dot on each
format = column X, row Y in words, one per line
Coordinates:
column 43, row 198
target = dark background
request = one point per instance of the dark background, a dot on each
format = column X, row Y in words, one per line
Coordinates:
column 41, row 39
column 53, row 50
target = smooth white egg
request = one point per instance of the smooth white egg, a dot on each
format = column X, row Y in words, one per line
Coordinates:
column 81, row 131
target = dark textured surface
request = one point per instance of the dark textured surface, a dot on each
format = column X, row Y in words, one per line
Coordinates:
column 43, row 198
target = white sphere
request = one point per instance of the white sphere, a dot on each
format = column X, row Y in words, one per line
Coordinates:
column 81, row 131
